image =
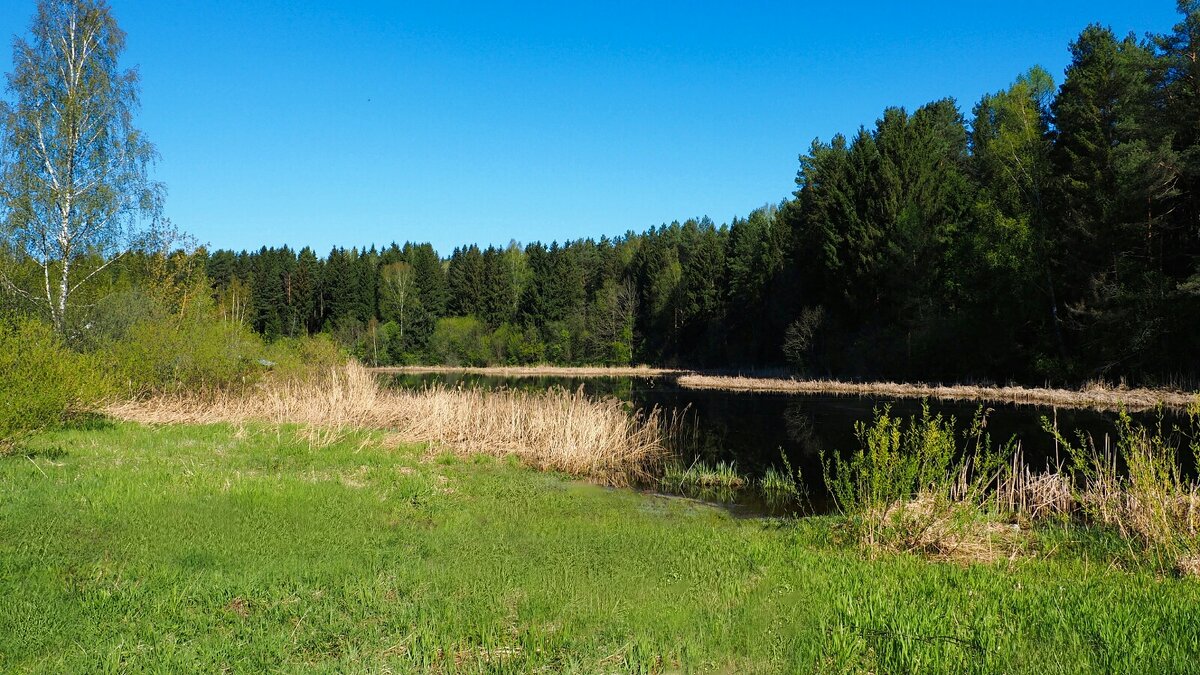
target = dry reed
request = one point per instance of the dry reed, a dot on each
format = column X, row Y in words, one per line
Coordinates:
column 535, row 371
column 1095, row 396
column 1035, row 495
column 1137, row 487
column 552, row 430
column 945, row 530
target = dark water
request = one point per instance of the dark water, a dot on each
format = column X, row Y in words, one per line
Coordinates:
column 756, row 430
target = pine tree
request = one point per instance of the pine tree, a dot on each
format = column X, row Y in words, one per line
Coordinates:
column 465, row 282
column 1099, row 120
column 494, row 304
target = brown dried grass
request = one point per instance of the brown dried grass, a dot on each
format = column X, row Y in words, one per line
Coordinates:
column 946, row 530
column 535, row 371
column 1189, row 566
column 552, row 430
column 1095, row 396
column 1034, row 495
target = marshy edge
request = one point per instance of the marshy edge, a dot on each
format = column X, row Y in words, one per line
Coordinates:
column 1095, row 396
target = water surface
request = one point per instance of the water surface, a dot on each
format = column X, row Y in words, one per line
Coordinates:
column 756, row 431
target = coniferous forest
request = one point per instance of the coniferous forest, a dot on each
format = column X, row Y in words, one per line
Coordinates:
column 1049, row 233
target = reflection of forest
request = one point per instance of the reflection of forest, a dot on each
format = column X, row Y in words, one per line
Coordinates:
column 801, row 429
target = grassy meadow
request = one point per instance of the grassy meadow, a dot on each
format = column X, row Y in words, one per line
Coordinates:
column 249, row 548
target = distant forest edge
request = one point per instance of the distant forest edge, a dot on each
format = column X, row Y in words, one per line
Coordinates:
column 1052, row 235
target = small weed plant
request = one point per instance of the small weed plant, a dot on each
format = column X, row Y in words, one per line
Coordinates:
column 783, row 486
column 721, row 481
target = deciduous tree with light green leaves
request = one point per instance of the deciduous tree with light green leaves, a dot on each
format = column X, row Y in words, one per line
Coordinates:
column 398, row 294
column 75, row 175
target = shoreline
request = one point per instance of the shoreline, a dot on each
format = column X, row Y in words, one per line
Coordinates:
column 1096, row 397
column 1093, row 398
column 535, row 371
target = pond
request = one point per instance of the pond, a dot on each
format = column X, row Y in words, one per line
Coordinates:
column 758, row 432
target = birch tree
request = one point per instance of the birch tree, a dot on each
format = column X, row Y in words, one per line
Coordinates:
column 397, row 293
column 74, row 176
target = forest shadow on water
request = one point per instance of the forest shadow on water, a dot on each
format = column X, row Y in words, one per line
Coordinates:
column 739, row 440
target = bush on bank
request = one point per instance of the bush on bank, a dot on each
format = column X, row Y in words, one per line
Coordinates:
column 139, row 350
column 920, row 485
column 42, row 381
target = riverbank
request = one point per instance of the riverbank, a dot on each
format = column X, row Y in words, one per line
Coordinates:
column 247, row 548
column 536, row 371
column 1093, row 397
column 1096, row 397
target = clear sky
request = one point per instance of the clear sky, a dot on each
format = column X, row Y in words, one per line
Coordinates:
column 312, row 122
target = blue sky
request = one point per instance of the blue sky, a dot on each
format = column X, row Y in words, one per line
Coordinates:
column 319, row 123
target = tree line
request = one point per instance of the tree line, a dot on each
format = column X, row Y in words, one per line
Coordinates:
column 1051, row 233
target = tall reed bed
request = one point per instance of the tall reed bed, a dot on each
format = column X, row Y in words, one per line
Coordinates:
column 552, row 430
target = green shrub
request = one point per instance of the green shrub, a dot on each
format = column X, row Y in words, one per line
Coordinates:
column 1140, row 486
column 302, row 357
column 460, row 341
column 111, row 317
column 907, row 479
column 556, row 336
column 199, row 351
column 513, row 346
column 893, row 463
column 620, row 352
column 172, row 353
column 42, row 382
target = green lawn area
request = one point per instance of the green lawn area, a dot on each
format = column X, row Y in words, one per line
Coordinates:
column 209, row 548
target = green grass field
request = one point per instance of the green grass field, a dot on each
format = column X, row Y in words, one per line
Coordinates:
column 125, row 548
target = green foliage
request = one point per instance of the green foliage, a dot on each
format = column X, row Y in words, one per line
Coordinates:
column 894, row 462
column 152, row 350
column 719, row 482
column 300, row 357
column 514, row 346
column 556, row 336
column 460, row 341
column 905, row 477
column 42, row 382
column 1053, row 236
column 783, row 487
column 780, row 487
column 1140, row 486
column 74, row 171
column 1006, row 281
column 465, row 281
column 780, row 484
column 174, row 353
column 620, row 352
